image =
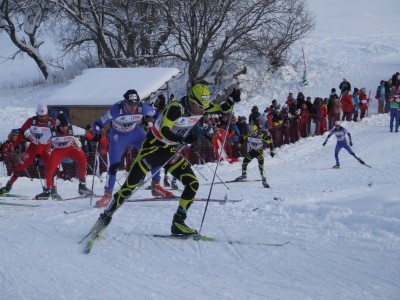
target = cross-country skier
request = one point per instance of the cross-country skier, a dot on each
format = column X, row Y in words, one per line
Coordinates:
column 340, row 133
column 126, row 118
column 37, row 126
column 257, row 142
column 161, row 145
column 61, row 137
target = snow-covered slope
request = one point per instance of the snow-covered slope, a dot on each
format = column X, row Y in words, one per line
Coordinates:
column 343, row 225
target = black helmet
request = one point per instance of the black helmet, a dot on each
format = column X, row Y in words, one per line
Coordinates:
column 132, row 96
column 62, row 120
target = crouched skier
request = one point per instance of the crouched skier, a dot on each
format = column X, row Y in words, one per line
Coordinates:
column 161, row 144
column 62, row 139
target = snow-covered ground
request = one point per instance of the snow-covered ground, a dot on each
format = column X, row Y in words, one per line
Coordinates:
column 343, row 225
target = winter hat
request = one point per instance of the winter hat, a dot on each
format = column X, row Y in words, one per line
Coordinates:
column 337, row 123
column 62, row 120
column 160, row 102
column 132, row 96
column 333, row 90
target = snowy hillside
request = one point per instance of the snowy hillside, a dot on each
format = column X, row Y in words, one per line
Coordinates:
column 343, row 225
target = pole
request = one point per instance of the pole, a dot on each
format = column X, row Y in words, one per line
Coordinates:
column 215, row 172
column 194, row 167
column 204, row 162
column 94, row 169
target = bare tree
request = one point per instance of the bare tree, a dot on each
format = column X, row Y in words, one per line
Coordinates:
column 21, row 20
column 208, row 34
column 124, row 32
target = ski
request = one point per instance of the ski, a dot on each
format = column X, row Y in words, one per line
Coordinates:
column 19, row 204
column 160, row 199
column 196, row 237
column 199, row 237
column 81, row 197
column 22, row 197
column 234, row 180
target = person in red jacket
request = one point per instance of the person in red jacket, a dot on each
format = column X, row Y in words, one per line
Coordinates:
column 62, row 139
column 103, row 149
column 364, row 103
column 347, row 106
column 37, row 126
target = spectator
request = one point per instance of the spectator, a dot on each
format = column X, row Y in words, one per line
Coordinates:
column 388, row 96
column 394, row 112
column 103, row 149
column 347, row 106
column 316, row 115
column 323, row 114
column 396, row 80
column 242, row 125
column 304, row 116
column 300, row 100
column 10, row 151
column 254, row 117
column 364, row 103
column 310, row 116
column 380, row 96
column 274, row 107
column 333, row 108
column 356, row 103
column 344, row 86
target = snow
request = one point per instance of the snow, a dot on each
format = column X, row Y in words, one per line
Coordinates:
column 343, row 225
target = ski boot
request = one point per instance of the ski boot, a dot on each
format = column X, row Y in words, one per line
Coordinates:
column 43, row 196
column 264, row 182
column 242, row 177
column 101, row 224
column 174, row 186
column 83, row 190
column 54, row 195
column 5, row 189
column 104, row 201
column 336, row 166
column 166, row 182
column 158, row 191
column 179, row 227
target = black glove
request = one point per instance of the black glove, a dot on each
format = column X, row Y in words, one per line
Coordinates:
column 190, row 139
column 235, row 95
column 272, row 153
column 37, row 160
column 324, row 143
column 351, row 144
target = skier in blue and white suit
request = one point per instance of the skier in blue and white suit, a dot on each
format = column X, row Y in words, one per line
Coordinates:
column 340, row 133
column 126, row 117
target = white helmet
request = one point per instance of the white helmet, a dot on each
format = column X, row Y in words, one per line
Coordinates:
column 41, row 109
column 337, row 123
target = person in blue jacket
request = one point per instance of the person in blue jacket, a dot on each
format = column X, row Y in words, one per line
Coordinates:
column 340, row 133
column 128, row 118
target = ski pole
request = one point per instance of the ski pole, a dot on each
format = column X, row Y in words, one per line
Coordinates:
column 27, row 174
column 94, row 170
column 204, row 162
column 40, row 177
column 215, row 172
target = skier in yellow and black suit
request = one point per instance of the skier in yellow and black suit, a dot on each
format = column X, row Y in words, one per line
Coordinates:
column 170, row 132
column 256, row 143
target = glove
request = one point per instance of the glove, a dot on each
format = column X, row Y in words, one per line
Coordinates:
column 96, row 128
column 324, row 143
column 37, row 160
column 190, row 139
column 272, row 153
column 351, row 144
column 235, row 95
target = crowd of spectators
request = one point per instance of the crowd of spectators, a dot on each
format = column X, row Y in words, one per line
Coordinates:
column 285, row 122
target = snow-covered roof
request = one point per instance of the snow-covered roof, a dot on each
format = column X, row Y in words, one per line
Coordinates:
column 106, row 86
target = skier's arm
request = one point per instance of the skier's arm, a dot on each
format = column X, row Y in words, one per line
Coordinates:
column 329, row 135
column 172, row 112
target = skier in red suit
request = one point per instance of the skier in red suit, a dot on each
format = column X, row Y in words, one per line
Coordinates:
column 37, row 126
column 62, row 139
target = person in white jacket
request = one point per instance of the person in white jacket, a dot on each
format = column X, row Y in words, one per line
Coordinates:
column 62, row 139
